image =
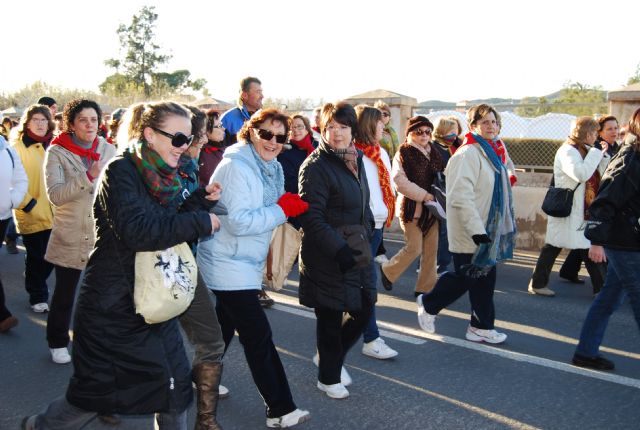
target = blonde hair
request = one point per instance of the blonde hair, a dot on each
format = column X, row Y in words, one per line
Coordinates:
column 445, row 125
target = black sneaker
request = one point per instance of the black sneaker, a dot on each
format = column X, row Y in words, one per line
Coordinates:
column 386, row 283
column 12, row 247
column 573, row 280
column 264, row 299
column 598, row 363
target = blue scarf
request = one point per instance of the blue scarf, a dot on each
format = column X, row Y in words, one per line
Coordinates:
column 501, row 226
column 272, row 178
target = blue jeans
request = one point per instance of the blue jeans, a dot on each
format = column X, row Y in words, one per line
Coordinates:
column 623, row 275
column 371, row 331
column 444, row 256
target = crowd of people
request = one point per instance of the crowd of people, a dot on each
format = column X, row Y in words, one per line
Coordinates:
column 86, row 199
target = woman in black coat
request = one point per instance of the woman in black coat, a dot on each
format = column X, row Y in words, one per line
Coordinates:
column 122, row 365
column 334, row 277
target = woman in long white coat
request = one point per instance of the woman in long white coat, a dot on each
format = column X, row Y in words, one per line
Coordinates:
column 577, row 164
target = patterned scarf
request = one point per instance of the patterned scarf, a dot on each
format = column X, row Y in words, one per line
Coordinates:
column 272, row 178
column 390, row 141
column 373, row 153
column 592, row 184
column 421, row 170
column 501, row 225
column 161, row 180
column 348, row 155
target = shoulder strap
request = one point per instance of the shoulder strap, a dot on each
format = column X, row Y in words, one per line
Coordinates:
column 13, row 163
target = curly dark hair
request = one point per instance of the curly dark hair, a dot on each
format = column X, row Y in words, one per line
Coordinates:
column 74, row 107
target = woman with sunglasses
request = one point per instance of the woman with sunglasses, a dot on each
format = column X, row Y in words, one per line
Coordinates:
column 232, row 260
column 414, row 169
column 72, row 166
column 481, row 227
column 122, row 365
column 335, row 279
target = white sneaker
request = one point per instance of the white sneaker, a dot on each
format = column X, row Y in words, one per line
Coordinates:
column 60, row 355
column 489, row 336
column 223, row 391
column 377, row 348
column 335, row 391
column 426, row 321
column 291, row 419
column 40, row 308
column 381, row 259
column 345, row 378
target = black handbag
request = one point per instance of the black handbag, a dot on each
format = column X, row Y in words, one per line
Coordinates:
column 558, row 201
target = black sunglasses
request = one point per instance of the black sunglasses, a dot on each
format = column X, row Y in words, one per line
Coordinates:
column 267, row 135
column 421, row 132
column 178, row 140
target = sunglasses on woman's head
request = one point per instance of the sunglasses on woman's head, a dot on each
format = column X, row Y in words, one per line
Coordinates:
column 178, row 140
column 267, row 135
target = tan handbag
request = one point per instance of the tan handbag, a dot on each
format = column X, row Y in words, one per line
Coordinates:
column 165, row 282
column 283, row 250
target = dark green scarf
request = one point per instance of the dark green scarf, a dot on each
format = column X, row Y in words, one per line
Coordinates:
column 161, row 180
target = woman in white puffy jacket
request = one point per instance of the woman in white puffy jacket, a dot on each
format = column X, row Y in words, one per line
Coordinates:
column 13, row 186
column 577, row 164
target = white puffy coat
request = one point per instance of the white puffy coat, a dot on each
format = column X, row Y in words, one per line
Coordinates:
column 569, row 169
column 13, row 180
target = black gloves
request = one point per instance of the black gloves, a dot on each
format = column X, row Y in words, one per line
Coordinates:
column 197, row 201
column 480, row 238
column 346, row 258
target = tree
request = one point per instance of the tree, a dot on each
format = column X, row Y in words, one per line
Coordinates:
column 533, row 106
column 580, row 99
column 635, row 78
column 142, row 56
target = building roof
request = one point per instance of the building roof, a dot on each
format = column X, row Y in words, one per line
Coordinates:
column 387, row 96
column 630, row 92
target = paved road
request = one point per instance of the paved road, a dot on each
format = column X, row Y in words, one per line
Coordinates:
column 437, row 382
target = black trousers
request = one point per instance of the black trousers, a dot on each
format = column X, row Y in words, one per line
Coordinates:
column 548, row 255
column 452, row 285
column 62, row 306
column 37, row 269
column 4, row 312
column 571, row 265
column 241, row 311
column 336, row 333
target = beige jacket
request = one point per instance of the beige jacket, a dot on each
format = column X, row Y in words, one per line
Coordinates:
column 470, row 177
column 71, row 193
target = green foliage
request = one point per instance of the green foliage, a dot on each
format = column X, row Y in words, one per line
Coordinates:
column 141, row 60
column 636, row 77
column 574, row 98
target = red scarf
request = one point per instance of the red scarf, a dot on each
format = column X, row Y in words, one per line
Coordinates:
column 304, row 144
column 373, row 152
column 40, row 139
column 497, row 145
column 65, row 140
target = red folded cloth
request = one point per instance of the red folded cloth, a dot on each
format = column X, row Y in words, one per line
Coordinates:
column 292, row 205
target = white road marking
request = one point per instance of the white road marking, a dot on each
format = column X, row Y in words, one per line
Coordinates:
column 417, row 337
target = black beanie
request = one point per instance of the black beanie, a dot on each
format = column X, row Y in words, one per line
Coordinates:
column 416, row 122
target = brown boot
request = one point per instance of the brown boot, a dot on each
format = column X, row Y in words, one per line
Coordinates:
column 207, row 378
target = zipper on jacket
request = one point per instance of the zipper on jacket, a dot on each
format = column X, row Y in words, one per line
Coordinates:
column 171, row 383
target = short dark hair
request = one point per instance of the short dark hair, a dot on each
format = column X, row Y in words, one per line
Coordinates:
column 212, row 116
column 74, row 107
column 340, row 112
column 245, row 83
column 260, row 117
column 604, row 119
column 305, row 120
column 477, row 112
column 49, row 101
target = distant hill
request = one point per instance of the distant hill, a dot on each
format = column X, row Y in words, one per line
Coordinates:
column 492, row 101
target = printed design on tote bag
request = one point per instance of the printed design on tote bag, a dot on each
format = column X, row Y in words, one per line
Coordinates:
column 175, row 272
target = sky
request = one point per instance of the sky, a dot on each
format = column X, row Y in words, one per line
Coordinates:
column 448, row 50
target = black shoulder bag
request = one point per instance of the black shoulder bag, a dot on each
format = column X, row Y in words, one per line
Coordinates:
column 558, row 201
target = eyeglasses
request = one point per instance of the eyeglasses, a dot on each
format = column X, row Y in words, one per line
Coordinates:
column 267, row 135
column 218, row 126
column 385, row 114
column 40, row 120
column 177, row 140
column 298, row 127
column 421, row 132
